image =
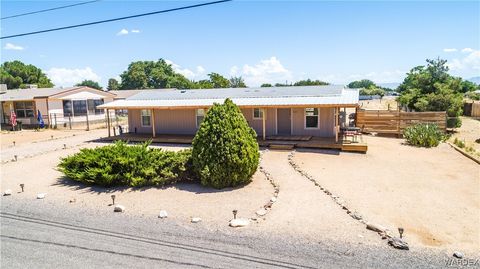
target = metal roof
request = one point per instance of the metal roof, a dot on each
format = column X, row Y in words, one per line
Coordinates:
column 123, row 94
column 268, row 96
column 30, row 94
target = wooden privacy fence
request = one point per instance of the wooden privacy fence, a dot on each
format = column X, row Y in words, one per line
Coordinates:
column 471, row 109
column 394, row 121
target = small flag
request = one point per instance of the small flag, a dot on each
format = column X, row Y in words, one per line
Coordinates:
column 40, row 120
column 13, row 118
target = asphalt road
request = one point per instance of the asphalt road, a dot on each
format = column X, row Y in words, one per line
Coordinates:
column 39, row 234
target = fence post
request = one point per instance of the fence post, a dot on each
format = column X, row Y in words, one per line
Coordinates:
column 70, row 121
column 55, row 116
column 88, row 124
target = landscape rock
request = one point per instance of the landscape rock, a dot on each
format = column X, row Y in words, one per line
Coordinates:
column 119, row 208
column 7, row 192
column 261, row 212
column 375, row 227
column 196, row 220
column 398, row 243
column 240, row 222
column 273, row 199
column 458, row 254
column 268, row 205
column 41, row 195
column 356, row 216
column 73, row 200
column 163, row 214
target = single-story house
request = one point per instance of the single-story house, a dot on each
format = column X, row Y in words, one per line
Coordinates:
column 287, row 111
column 57, row 105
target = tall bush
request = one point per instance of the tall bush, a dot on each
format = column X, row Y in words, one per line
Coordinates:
column 423, row 135
column 124, row 165
column 225, row 149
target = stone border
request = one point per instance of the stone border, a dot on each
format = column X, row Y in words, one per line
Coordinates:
column 383, row 232
column 464, row 153
column 263, row 211
column 41, row 153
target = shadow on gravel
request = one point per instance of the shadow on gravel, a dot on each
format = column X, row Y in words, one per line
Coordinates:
column 193, row 186
column 320, row 151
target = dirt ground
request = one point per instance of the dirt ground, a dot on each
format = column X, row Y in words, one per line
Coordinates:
column 434, row 194
column 387, row 102
column 469, row 133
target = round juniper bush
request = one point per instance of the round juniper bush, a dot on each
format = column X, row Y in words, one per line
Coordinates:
column 225, row 149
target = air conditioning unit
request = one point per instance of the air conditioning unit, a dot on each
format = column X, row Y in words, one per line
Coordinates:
column 3, row 88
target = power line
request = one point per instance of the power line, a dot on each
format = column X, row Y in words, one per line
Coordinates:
column 49, row 9
column 116, row 19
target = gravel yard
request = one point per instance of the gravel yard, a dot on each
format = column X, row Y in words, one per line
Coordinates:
column 434, row 194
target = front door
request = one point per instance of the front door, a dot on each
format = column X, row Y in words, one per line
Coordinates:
column 284, row 121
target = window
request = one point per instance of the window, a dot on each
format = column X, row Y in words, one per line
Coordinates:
column 311, row 117
column 200, row 114
column 67, row 108
column 146, row 118
column 92, row 106
column 24, row 110
column 257, row 113
column 79, row 107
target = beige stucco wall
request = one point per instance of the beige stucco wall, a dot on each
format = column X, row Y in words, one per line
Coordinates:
column 178, row 121
column 257, row 124
column 326, row 123
column 183, row 121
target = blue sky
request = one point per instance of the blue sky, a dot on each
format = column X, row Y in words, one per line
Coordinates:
column 262, row 41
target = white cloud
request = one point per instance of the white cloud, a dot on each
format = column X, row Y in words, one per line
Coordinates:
column 70, row 77
column 10, row 46
column 468, row 64
column 266, row 71
column 449, row 50
column 123, row 32
column 197, row 74
column 135, row 31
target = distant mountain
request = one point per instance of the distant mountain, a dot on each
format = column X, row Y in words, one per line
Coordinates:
column 475, row 80
column 391, row 85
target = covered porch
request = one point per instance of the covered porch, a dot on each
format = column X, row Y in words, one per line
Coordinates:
column 273, row 142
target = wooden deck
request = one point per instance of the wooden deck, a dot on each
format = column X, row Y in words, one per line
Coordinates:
column 273, row 142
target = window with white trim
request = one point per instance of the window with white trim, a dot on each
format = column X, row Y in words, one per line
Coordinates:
column 200, row 115
column 257, row 113
column 146, row 116
column 311, row 117
column 24, row 109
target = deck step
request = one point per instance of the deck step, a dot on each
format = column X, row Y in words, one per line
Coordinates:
column 282, row 146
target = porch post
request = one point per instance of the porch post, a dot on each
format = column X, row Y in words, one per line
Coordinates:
column 108, row 121
column 336, row 124
column 153, row 121
column 263, row 122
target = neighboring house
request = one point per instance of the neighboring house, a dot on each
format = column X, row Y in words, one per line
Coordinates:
column 57, row 105
column 306, row 110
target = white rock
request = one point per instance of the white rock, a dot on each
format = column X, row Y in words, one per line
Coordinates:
column 375, row 227
column 163, row 214
column 261, row 212
column 119, row 208
column 7, row 192
column 196, row 220
column 458, row 254
column 273, row 199
column 41, row 195
column 240, row 222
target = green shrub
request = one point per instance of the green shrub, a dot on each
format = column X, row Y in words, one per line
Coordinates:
column 459, row 143
column 124, row 165
column 454, row 123
column 225, row 149
column 423, row 135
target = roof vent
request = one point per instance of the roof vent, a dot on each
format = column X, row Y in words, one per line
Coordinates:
column 183, row 91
